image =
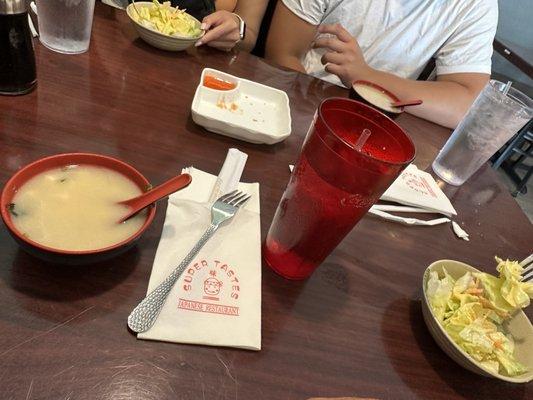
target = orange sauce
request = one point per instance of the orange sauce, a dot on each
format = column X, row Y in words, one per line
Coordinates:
column 217, row 83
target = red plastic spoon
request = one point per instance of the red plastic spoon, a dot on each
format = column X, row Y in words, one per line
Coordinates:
column 159, row 192
column 405, row 103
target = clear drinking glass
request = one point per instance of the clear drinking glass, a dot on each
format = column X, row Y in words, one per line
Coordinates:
column 491, row 121
column 65, row 25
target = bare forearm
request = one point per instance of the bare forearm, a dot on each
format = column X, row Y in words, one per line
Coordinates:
column 249, row 41
column 445, row 102
column 252, row 12
column 289, row 38
column 288, row 61
column 277, row 50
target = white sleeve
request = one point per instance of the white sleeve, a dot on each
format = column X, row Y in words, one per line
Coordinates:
column 310, row 11
column 469, row 48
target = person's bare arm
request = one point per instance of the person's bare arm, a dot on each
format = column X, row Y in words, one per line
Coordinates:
column 222, row 27
column 252, row 12
column 228, row 5
column 445, row 100
column 289, row 38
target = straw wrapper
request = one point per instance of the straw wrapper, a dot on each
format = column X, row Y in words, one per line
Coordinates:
column 419, row 193
column 230, row 173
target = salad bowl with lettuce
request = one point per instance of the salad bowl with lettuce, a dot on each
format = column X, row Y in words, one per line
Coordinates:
column 164, row 26
column 477, row 318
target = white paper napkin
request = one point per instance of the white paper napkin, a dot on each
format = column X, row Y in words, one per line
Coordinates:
column 417, row 188
column 419, row 193
column 217, row 300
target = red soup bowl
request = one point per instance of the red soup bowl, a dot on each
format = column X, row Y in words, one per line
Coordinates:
column 67, row 256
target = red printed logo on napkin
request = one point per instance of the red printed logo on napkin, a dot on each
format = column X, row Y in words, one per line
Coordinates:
column 418, row 184
column 211, row 287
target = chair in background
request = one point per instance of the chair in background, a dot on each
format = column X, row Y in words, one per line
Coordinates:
column 514, row 156
column 521, row 147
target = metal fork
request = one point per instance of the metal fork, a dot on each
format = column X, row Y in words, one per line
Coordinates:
column 145, row 314
column 527, row 264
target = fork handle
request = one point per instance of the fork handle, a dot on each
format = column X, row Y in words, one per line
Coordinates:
column 145, row 314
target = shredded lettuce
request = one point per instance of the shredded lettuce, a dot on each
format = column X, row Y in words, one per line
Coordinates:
column 166, row 19
column 473, row 308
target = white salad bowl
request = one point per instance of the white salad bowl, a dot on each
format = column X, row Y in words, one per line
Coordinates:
column 518, row 326
column 158, row 39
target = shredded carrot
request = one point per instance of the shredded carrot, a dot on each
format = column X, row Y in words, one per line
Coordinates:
column 217, row 83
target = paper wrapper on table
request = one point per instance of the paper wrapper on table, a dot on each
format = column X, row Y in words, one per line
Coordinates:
column 407, row 221
column 230, row 173
column 421, row 194
column 417, row 188
column 217, row 300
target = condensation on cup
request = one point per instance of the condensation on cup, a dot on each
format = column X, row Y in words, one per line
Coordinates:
column 65, row 25
column 493, row 119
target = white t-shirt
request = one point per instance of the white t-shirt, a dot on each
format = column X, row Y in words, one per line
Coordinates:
column 401, row 36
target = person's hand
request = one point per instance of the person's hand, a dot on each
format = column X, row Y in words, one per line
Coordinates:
column 222, row 30
column 344, row 57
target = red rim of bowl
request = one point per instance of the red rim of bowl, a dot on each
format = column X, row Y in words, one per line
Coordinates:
column 372, row 110
column 376, row 86
column 7, row 218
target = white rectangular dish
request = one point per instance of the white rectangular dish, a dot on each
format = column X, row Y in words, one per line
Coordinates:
column 251, row 111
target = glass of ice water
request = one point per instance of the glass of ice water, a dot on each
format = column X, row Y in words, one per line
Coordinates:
column 65, row 25
column 495, row 116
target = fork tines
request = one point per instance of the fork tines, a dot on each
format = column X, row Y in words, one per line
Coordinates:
column 235, row 198
column 527, row 264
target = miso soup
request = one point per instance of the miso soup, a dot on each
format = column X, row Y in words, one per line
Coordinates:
column 376, row 97
column 75, row 208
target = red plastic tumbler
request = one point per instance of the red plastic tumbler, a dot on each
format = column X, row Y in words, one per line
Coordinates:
column 334, row 184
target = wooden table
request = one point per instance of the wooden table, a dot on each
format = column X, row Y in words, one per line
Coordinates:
column 354, row 328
